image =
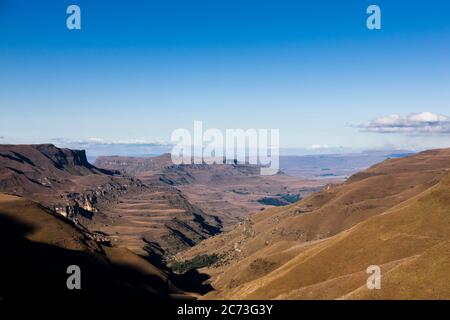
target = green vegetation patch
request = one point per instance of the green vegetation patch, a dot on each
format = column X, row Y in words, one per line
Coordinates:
column 197, row 262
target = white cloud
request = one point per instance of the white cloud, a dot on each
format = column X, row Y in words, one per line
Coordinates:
column 427, row 117
column 124, row 147
column 414, row 123
column 101, row 141
column 319, row 146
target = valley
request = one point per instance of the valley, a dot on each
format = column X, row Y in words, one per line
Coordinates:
column 147, row 205
column 202, row 159
column 224, row 231
column 186, row 204
column 395, row 214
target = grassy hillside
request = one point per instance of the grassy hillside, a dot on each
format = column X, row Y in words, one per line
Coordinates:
column 395, row 215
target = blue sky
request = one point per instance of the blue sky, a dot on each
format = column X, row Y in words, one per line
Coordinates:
column 137, row 70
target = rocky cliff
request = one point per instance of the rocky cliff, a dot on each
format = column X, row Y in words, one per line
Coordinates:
column 61, row 179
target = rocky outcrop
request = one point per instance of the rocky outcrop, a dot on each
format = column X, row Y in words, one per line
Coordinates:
column 64, row 181
column 61, row 179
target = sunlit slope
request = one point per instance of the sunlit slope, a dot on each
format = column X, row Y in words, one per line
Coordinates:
column 411, row 243
column 395, row 215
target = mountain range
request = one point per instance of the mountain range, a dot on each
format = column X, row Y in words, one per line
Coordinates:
column 145, row 228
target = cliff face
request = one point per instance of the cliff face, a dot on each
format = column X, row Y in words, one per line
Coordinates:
column 66, row 159
column 133, row 211
column 61, row 179
column 134, row 166
column 178, row 174
column 45, row 157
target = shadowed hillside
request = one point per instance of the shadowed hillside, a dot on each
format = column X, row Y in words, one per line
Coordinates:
column 37, row 246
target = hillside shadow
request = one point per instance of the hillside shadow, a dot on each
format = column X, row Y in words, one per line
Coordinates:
column 32, row 271
column 191, row 281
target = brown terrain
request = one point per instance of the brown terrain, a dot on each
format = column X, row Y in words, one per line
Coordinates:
column 37, row 245
column 395, row 214
column 63, row 181
column 147, row 205
column 230, row 192
column 213, row 196
column 124, row 219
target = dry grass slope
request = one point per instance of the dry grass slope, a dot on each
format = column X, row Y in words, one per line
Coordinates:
column 395, row 215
